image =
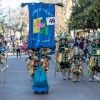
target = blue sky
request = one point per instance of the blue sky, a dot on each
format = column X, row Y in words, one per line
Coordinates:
column 15, row 3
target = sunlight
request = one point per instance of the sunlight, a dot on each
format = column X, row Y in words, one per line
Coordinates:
column 13, row 4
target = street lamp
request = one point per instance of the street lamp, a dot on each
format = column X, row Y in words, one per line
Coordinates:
column 9, row 20
column 73, row 3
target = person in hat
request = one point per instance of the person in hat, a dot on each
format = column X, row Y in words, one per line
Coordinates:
column 94, row 63
column 77, row 68
column 1, row 52
column 32, row 62
column 45, row 65
column 63, row 58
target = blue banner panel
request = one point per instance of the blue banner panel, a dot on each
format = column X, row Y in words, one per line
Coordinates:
column 41, row 35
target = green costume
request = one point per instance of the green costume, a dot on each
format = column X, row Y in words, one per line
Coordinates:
column 1, row 49
column 77, row 61
column 96, row 56
column 62, row 47
column 94, row 64
column 65, row 63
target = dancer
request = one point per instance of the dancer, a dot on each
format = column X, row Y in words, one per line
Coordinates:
column 63, row 56
column 77, row 68
column 94, row 64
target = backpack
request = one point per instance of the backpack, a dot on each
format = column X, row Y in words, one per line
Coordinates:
column 40, row 78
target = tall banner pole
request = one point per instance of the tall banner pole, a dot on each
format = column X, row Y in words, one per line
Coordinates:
column 0, row 63
column 5, row 73
column 6, row 65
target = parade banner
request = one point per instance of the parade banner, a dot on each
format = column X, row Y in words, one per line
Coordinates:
column 41, row 34
column 51, row 21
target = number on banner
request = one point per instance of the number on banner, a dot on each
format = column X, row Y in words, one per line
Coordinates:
column 52, row 20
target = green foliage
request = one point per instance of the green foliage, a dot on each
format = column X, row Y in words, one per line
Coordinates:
column 86, row 14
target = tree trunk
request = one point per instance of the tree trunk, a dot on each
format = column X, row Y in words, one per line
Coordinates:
column 21, row 40
column 14, row 33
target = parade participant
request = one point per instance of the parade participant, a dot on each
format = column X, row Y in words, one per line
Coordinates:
column 13, row 47
column 44, row 60
column 94, row 64
column 33, row 61
column 3, row 55
column 63, row 57
column 45, row 52
column 18, row 50
column 45, row 65
column 77, row 68
column 57, row 57
column 3, row 48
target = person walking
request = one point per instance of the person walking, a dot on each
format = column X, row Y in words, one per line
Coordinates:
column 64, row 62
column 81, row 45
column 13, row 48
column 76, row 43
column 18, row 50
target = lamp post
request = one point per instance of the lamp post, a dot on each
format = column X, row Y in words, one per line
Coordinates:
column 72, row 11
column 9, row 20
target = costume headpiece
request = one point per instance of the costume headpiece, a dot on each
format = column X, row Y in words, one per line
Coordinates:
column 69, row 38
column 76, row 51
column 91, row 36
column 0, row 44
column 97, row 35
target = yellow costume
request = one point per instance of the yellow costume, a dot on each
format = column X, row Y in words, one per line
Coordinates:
column 77, row 68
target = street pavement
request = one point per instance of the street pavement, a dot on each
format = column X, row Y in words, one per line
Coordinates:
column 18, row 84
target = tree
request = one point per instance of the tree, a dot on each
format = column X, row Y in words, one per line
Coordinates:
column 86, row 14
column 0, row 10
column 18, row 20
column 2, row 17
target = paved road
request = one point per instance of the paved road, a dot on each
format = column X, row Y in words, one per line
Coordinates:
column 18, row 84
